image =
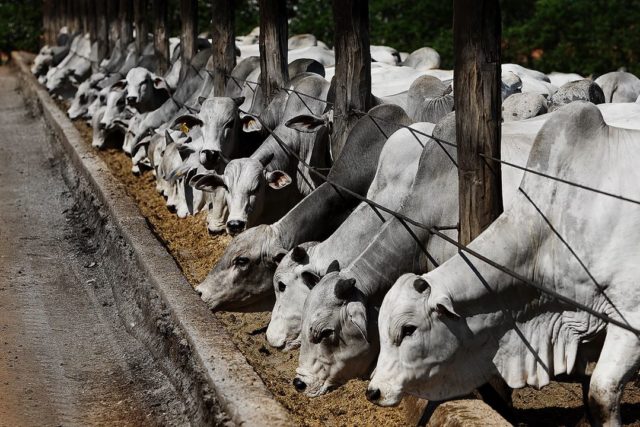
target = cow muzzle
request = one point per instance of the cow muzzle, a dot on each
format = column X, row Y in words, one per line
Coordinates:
column 209, row 158
column 132, row 100
column 236, row 226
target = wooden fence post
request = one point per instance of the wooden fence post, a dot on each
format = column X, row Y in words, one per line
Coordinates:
column 114, row 24
column 92, row 19
column 140, row 21
column 224, row 43
column 102, row 28
column 160, row 39
column 189, row 35
column 476, row 40
column 274, row 28
column 125, row 17
column 47, row 30
column 353, row 67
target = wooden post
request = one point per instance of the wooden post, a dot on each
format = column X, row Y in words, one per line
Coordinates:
column 102, row 27
column 114, row 23
column 189, row 35
column 140, row 21
column 47, row 30
column 125, row 17
column 160, row 39
column 353, row 67
column 274, row 29
column 476, row 40
column 224, row 45
column 92, row 19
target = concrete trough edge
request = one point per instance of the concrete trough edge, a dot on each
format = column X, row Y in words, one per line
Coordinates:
column 240, row 391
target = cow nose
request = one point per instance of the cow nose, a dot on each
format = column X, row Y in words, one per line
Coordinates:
column 199, row 292
column 235, row 226
column 208, row 158
column 373, row 394
column 299, row 384
column 131, row 100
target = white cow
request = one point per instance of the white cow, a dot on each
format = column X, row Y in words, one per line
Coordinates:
column 446, row 332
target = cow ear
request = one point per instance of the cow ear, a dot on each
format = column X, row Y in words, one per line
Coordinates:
column 358, row 316
column 120, row 84
column 239, row 100
column 278, row 256
column 334, row 267
column 310, row 279
column 160, row 83
column 420, row 285
column 344, row 288
column 168, row 137
column 250, row 124
column 298, row 254
column 207, row 182
column 306, row 123
column 444, row 307
column 278, row 179
column 185, row 122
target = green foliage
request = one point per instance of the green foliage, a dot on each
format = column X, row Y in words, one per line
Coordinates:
column 20, row 25
column 583, row 36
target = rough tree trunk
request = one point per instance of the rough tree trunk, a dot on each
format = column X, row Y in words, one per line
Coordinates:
column 273, row 47
column 160, row 39
column 224, row 46
column 353, row 67
column 476, row 40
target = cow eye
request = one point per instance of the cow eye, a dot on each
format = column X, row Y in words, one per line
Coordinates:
column 102, row 98
column 282, row 287
column 241, row 261
column 229, row 124
column 326, row 333
column 83, row 98
column 407, row 331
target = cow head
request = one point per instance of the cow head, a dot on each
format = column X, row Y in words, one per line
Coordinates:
column 292, row 282
column 420, row 346
column 82, row 100
column 145, row 91
column 246, row 181
column 338, row 338
column 220, row 128
column 115, row 104
column 242, row 279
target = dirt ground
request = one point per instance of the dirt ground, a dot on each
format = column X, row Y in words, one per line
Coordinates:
column 196, row 252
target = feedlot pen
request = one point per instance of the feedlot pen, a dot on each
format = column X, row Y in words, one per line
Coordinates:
column 196, row 252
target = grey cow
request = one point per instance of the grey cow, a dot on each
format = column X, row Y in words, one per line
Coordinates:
column 338, row 334
column 446, row 332
column 242, row 279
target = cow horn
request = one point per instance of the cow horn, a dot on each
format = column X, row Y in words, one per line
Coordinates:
column 334, row 267
column 298, row 254
column 344, row 288
column 267, row 160
column 420, row 285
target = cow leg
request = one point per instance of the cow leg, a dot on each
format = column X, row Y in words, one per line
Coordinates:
column 217, row 216
column 618, row 362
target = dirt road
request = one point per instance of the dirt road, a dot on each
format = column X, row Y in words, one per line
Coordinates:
column 65, row 356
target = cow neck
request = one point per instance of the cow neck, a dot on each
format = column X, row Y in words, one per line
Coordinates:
column 313, row 219
column 391, row 253
column 469, row 282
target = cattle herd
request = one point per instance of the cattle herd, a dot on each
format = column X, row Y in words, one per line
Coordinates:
column 360, row 291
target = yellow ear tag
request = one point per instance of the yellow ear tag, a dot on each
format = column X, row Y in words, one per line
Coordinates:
column 184, row 128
